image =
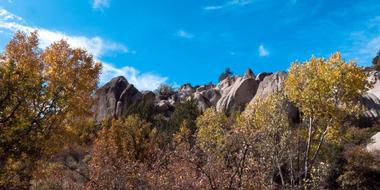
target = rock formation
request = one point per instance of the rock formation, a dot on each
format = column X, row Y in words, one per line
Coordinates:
column 375, row 144
column 270, row 84
column 115, row 98
column 237, row 95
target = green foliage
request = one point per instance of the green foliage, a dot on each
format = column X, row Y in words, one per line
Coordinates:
column 186, row 111
column 133, row 137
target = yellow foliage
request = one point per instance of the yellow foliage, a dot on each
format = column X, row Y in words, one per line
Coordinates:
column 212, row 128
column 42, row 93
column 326, row 88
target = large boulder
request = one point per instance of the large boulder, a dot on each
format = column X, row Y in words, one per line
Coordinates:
column 129, row 98
column 185, row 91
column 115, row 98
column 148, row 97
column 270, row 84
column 107, row 97
column 235, row 96
column 260, row 77
column 371, row 100
column 375, row 144
column 203, row 102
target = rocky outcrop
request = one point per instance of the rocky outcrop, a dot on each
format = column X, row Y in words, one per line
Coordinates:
column 270, row 84
column 260, row 77
column 115, row 99
column 185, row 91
column 129, row 98
column 374, row 145
column 148, row 97
column 371, row 100
column 107, row 98
column 235, row 96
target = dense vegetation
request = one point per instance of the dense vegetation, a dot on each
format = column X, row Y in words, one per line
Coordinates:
column 48, row 139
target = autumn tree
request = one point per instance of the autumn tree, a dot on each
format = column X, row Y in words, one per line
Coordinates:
column 212, row 128
column 326, row 91
column 42, row 91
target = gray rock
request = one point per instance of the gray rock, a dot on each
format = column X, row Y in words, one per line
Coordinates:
column 260, row 77
column 185, row 91
column 374, row 146
column 371, row 100
column 205, row 87
column 129, row 98
column 270, row 84
column 148, row 97
column 203, row 102
column 237, row 95
column 107, row 97
column 115, row 98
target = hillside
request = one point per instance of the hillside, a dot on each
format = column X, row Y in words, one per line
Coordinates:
column 313, row 127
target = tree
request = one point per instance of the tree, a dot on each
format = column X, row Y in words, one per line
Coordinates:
column 42, row 92
column 164, row 90
column 184, row 111
column 212, row 128
column 326, row 92
column 225, row 74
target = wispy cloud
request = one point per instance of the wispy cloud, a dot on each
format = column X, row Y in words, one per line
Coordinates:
column 100, row 4
column 362, row 49
column 262, row 51
column 184, row 34
column 142, row 81
column 97, row 46
column 362, row 45
column 231, row 3
column 5, row 15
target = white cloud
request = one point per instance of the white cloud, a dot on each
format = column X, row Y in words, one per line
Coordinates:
column 362, row 49
column 100, row 4
column 213, row 7
column 97, row 46
column 142, row 81
column 231, row 3
column 184, row 34
column 5, row 15
column 262, row 51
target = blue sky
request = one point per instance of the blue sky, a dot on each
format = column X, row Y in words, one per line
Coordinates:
column 179, row 41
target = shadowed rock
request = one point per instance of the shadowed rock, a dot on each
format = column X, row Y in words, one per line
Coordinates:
column 115, row 98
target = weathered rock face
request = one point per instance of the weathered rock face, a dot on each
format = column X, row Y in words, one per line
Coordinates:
column 185, row 91
column 238, row 94
column 375, row 144
column 270, row 84
column 371, row 99
column 203, row 102
column 115, row 98
column 148, row 97
column 129, row 98
column 107, row 98
column 260, row 77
